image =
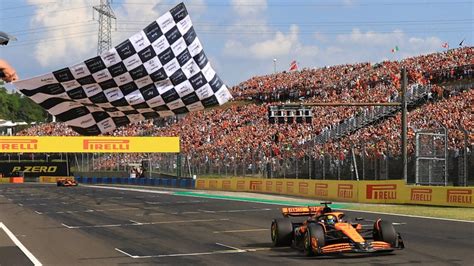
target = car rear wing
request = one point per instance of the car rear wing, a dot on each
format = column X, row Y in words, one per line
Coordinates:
column 302, row 211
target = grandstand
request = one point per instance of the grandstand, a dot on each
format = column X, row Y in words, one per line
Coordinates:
column 340, row 142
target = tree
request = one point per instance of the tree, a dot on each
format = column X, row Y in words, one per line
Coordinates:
column 16, row 107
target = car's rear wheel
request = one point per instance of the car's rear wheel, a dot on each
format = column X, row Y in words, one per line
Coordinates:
column 281, row 232
column 384, row 231
column 314, row 239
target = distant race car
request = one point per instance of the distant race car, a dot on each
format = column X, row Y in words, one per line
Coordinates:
column 325, row 231
column 66, row 182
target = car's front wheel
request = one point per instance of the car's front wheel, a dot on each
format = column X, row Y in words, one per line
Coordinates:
column 384, row 231
column 314, row 239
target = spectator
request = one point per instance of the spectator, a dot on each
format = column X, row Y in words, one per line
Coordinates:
column 9, row 73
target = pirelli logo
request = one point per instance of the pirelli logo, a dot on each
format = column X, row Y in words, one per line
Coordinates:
column 269, row 186
column 460, row 196
column 290, row 186
column 18, row 144
column 256, row 185
column 213, row 184
column 303, row 188
column 421, row 194
column 345, row 191
column 240, row 185
column 201, row 184
column 106, row 145
column 321, row 189
column 279, row 186
column 384, row 192
column 226, row 185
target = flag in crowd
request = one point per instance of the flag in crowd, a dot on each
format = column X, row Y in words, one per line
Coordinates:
column 293, row 66
column 160, row 71
column 395, row 49
column 460, row 44
column 445, row 45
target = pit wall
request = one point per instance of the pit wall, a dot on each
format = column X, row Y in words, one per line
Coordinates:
column 389, row 192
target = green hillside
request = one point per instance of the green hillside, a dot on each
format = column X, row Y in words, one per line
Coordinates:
column 17, row 108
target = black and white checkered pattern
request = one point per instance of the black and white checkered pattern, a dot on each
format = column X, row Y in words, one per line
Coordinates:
column 160, row 71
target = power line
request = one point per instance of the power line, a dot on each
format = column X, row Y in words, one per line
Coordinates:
column 106, row 14
column 249, row 4
column 221, row 25
column 52, row 28
column 323, row 23
column 70, row 36
column 23, row 6
column 301, row 4
column 243, row 32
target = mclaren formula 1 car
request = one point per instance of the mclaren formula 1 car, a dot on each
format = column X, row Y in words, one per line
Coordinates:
column 66, row 182
column 322, row 231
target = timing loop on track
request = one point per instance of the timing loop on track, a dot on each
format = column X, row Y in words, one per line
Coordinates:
column 230, row 250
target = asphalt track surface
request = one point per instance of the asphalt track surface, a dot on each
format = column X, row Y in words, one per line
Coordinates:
column 96, row 226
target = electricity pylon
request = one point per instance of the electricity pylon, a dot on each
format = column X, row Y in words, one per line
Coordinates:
column 106, row 14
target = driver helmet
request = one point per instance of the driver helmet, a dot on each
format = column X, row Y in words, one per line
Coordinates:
column 331, row 220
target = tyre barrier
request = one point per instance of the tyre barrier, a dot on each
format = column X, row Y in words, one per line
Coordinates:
column 162, row 182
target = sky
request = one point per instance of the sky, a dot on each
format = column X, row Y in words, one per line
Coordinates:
column 243, row 38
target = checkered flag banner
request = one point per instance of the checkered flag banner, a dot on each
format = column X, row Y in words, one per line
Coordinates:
column 160, row 71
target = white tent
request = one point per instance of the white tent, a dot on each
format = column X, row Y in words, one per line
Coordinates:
column 8, row 124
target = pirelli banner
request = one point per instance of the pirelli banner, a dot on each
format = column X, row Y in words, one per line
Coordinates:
column 394, row 191
column 89, row 144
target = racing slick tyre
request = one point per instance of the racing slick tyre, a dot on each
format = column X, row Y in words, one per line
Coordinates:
column 59, row 183
column 384, row 231
column 281, row 232
column 313, row 239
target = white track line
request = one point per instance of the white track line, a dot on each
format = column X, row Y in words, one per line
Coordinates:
column 228, row 251
column 190, row 254
column 132, row 189
column 241, row 231
column 230, row 211
column 126, row 254
column 231, row 247
column 135, row 223
column 88, row 211
column 17, row 242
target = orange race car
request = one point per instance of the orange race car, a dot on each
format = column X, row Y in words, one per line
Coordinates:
column 325, row 231
column 66, row 182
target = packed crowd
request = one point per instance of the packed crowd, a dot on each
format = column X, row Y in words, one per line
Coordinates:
column 383, row 140
column 359, row 82
column 241, row 133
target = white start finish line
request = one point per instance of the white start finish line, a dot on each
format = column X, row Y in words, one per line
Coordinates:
column 17, row 242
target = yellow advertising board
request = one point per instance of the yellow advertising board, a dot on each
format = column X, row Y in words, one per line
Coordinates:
column 89, row 144
column 443, row 196
column 387, row 191
column 4, row 180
